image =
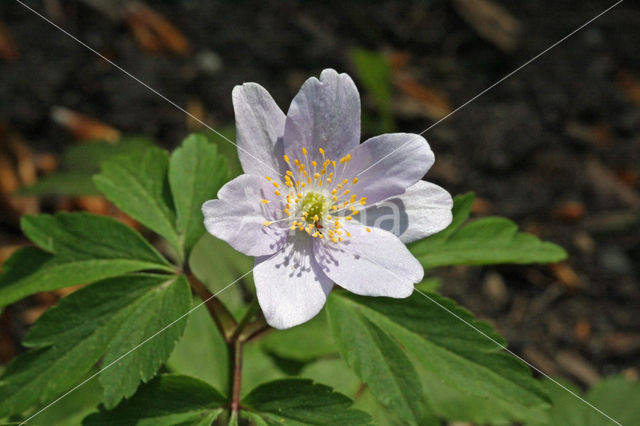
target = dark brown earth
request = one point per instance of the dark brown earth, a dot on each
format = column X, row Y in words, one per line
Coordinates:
column 555, row 147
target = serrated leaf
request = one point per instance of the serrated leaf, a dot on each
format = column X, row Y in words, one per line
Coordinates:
column 201, row 340
column 300, row 402
column 138, row 185
column 89, row 156
column 415, row 335
column 333, row 372
column 84, row 236
column 379, row 361
column 227, row 149
column 80, row 248
column 71, row 409
column 196, row 173
column 165, row 401
column 484, row 241
column 79, row 163
column 108, row 318
column 616, row 396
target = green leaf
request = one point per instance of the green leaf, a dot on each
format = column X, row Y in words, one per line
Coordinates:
column 258, row 368
column 333, row 372
column 84, row 236
column 374, row 72
column 138, row 185
column 379, row 361
column 615, row 396
column 382, row 415
column 227, row 149
column 105, row 320
column 196, row 173
column 82, row 248
column 304, row 343
column 79, row 163
column 397, row 347
column 71, row 409
column 165, row 401
column 89, row 156
column 72, row 183
column 201, row 341
column 300, row 401
column 484, row 241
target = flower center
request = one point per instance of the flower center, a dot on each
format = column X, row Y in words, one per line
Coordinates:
column 318, row 197
column 316, row 205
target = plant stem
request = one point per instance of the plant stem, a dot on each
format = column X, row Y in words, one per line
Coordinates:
column 220, row 314
column 235, row 379
column 244, row 322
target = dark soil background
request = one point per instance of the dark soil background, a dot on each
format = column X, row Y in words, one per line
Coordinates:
column 555, row 147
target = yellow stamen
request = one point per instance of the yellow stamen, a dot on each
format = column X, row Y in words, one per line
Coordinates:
column 355, row 180
column 267, row 223
column 265, row 201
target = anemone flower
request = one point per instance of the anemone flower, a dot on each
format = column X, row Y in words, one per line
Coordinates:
column 316, row 207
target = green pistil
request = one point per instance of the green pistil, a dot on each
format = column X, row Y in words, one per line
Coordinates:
column 314, row 204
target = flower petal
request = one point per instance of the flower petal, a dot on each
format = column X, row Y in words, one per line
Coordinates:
column 388, row 164
column 422, row 210
column 324, row 114
column 238, row 216
column 259, row 126
column 369, row 263
column 290, row 285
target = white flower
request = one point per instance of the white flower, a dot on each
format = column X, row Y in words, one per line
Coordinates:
column 312, row 205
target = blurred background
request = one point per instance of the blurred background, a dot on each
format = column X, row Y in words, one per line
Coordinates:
column 555, row 147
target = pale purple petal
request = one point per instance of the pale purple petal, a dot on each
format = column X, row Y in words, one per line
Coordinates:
column 324, row 114
column 374, row 263
column 388, row 164
column 238, row 216
column 290, row 286
column 422, row 210
column 259, row 127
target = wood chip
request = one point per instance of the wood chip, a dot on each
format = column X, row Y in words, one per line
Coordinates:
column 622, row 344
column 598, row 135
column 582, row 331
column 578, row 367
column 630, row 86
column 83, row 127
column 420, row 99
column 8, row 49
column 195, row 107
column 566, row 275
column 569, row 211
column 491, row 22
column 607, row 183
column 153, row 31
column 541, row 361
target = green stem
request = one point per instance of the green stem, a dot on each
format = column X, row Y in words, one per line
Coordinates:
column 235, row 379
column 244, row 322
column 223, row 319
